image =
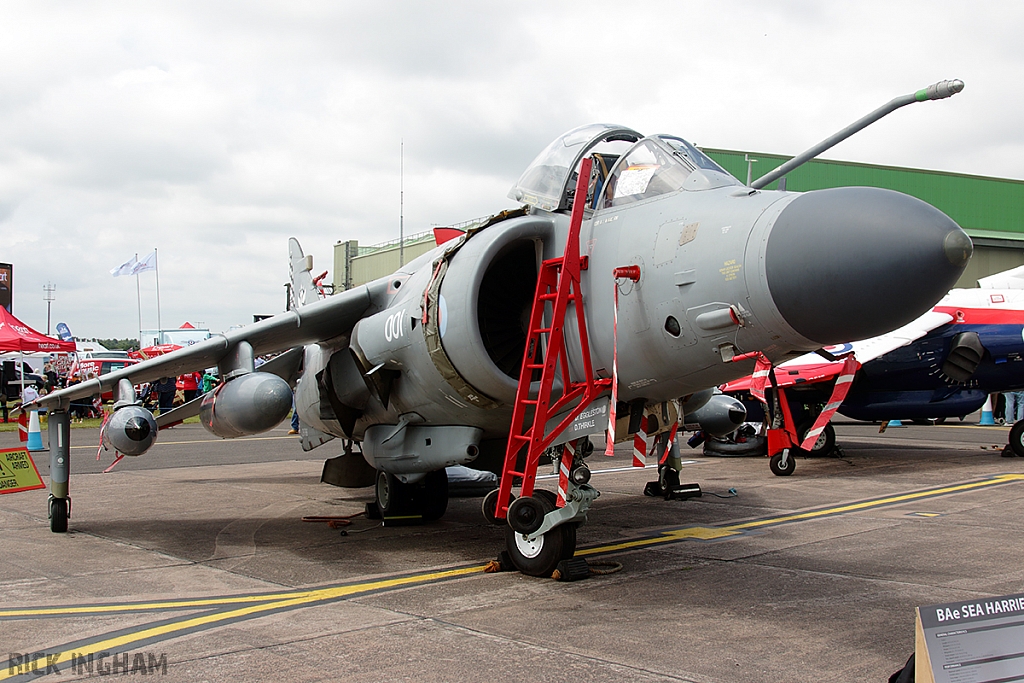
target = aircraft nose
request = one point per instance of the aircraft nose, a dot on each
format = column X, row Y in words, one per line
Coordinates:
column 855, row 262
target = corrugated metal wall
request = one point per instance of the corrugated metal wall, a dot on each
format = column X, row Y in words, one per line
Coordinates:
column 985, row 207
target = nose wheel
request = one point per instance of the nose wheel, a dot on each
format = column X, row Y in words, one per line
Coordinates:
column 782, row 464
column 538, row 554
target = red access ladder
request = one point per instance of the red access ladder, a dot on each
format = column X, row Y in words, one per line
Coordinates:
column 559, row 284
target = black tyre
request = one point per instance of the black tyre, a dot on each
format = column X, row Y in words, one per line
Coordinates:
column 550, row 497
column 754, row 445
column 434, row 495
column 489, row 505
column 393, row 497
column 59, row 515
column 1017, row 439
column 568, row 530
column 775, row 464
column 540, row 556
column 825, row 443
column 668, row 479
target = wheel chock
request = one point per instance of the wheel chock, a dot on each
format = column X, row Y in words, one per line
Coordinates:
column 572, row 569
column 684, row 492
column 403, row 520
column 653, row 489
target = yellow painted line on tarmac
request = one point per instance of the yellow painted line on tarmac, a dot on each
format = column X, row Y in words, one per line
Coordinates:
column 675, row 534
column 719, row 532
column 163, row 631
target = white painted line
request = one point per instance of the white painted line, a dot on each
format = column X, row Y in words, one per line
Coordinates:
column 620, row 469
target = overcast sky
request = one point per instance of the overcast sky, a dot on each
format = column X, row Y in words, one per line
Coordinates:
column 214, row 130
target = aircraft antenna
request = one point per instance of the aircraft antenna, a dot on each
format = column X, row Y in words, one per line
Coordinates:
column 936, row 91
column 401, row 208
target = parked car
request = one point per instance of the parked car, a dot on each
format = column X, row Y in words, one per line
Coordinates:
column 98, row 367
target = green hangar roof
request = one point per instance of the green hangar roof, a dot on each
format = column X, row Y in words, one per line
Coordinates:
column 987, row 208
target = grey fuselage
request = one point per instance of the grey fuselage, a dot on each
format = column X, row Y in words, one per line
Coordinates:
column 737, row 270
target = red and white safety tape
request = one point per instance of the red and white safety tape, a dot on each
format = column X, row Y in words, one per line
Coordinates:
column 640, row 444
column 568, row 454
column 842, row 388
column 609, row 447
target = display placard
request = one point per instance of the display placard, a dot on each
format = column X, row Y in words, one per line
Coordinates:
column 971, row 641
column 18, row 472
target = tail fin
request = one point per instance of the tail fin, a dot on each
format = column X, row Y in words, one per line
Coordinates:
column 303, row 289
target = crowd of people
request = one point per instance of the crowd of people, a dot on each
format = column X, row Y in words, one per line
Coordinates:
column 159, row 396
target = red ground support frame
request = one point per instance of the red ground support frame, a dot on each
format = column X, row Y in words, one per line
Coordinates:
column 781, row 441
column 559, row 284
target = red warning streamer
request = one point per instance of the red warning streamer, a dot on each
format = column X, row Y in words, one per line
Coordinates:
column 842, row 388
column 671, row 441
column 630, row 273
column 640, row 444
column 568, row 454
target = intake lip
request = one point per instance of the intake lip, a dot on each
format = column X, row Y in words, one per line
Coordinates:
column 851, row 263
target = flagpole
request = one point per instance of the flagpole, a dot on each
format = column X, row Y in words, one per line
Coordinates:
column 159, row 324
column 138, row 296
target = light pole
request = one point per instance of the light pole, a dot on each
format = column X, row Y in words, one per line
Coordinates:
column 48, row 291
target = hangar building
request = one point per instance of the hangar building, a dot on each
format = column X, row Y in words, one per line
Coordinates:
column 991, row 210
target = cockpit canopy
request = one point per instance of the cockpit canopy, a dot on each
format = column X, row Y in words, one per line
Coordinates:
column 627, row 168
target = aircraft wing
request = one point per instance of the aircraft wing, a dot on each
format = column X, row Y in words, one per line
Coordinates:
column 812, row 368
column 318, row 321
column 1008, row 279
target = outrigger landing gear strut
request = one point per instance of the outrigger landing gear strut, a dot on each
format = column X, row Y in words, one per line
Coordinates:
column 60, row 470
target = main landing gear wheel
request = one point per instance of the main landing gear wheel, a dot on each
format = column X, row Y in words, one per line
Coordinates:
column 435, row 495
column 390, row 494
column 427, row 499
column 778, row 468
column 59, row 515
column 540, row 556
column 1017, row 438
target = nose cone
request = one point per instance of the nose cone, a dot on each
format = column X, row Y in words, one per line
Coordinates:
column 855, row 262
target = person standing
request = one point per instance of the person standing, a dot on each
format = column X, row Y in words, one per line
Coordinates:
column 165, row 388
column 189, row 385
column 1014, row 406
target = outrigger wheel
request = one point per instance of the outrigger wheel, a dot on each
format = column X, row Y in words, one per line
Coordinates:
column 59, row 515
column 538, row 556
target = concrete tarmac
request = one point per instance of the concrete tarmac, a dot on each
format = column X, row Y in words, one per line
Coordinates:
column 194, row 560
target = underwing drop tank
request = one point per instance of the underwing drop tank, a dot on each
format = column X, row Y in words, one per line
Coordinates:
column 249, row 404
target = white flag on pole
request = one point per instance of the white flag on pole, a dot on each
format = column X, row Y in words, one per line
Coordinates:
column 148, row 263
column 126, row 268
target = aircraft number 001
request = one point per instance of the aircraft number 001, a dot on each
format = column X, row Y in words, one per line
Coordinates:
column 393, row 328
